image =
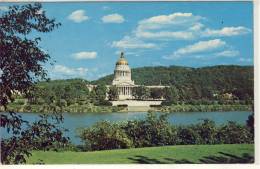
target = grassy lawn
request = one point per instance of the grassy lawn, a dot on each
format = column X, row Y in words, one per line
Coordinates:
column 226, row 153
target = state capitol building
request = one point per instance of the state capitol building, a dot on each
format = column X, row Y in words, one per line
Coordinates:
column 122, row 79
column 125, row 86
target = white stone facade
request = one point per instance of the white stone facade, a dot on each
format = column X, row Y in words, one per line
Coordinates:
column 122, row 79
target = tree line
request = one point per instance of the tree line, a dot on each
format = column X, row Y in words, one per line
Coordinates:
column 224, row 83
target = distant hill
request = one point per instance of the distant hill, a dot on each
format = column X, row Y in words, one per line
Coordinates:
column 220, row 79
column 180, row 75
column 196, row 83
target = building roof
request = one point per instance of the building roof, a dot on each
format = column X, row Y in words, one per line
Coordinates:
column 122, row 60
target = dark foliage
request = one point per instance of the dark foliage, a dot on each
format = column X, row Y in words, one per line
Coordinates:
column 153, row 131
column 113, row 93
column 157, row 131
column 40, row 135
column 59, row 92
column 250, row 123
column 141, row 93
column 156, row 93
column 21, row 66
column 233, row 133
column 197, row 85
column 187, row 135
column 105, row 136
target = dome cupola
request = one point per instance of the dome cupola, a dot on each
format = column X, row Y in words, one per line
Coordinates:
column 122, row 60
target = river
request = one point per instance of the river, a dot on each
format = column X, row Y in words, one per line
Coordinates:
column 75, row 121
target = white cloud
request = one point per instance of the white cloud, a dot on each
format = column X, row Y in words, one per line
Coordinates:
column 78, row 16
column 132, row 43
column 181, row 26
column 177, row 26
column 106, row 8
column 199, row 47
column 128, row 53
column 69, row 72
column 113, row 18
column 103, row 75
column 226, row 31
column 85, row 55
column 245, row 60
column 197, row 26
column 161, row 29
column 4, row 8
column 165, row 35
column 228, row 53
column 158, row 64
column 160, row 21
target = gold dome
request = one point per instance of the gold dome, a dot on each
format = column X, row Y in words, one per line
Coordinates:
column 122, row 60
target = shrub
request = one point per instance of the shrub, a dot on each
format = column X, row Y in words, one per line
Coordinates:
column 155, row 130
column 233, row 133
column 207, row 131
column 187, row 135
column 104, row 136
column 152, row 131
column 137, row 131
column 19, row 101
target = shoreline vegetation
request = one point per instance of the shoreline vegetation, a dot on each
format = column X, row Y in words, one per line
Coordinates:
column 90, row 108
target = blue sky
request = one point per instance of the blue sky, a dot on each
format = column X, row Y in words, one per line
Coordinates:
column 194, row 34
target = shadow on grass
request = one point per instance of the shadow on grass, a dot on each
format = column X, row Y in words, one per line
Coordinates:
column 221, row 158
column 147, row 160
column 227, row 158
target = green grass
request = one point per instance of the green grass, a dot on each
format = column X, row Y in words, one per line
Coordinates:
column 226, row 153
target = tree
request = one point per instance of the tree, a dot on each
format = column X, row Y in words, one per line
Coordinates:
column 250, row 123
column 156, row 93
column 207, row 131
column 99, row 94
column 20, row 67
column 113, row 93
column 171, row 95
column 141, row 92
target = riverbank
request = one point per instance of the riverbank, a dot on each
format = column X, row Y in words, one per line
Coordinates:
column 181, row 154
column 74, row 108
column 90, row 108
column 204, row 108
